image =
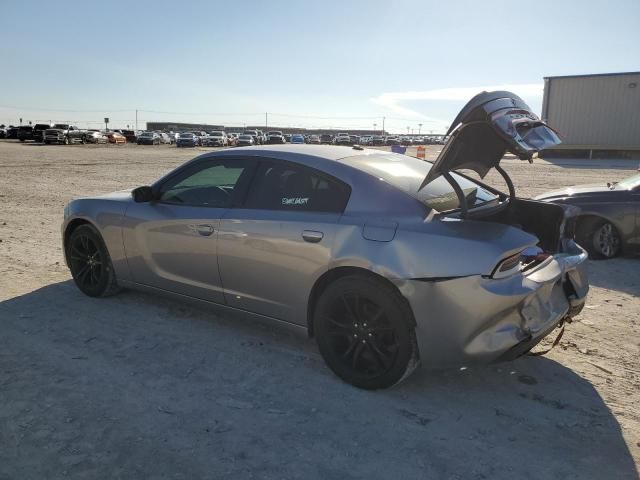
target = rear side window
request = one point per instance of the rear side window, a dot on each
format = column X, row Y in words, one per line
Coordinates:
column 283, row 186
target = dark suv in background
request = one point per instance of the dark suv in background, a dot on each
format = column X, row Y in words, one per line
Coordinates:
column 25, row 132
column 38, row 131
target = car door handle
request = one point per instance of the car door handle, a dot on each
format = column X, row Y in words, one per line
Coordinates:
column 204, row 230
column 312, row 236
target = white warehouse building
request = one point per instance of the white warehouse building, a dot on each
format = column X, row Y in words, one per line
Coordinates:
column 594, row 112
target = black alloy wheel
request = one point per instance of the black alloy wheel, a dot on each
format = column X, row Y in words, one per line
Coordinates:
column 89, row 262
column 364, row 332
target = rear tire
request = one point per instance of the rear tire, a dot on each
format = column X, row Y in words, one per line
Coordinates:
column 599, row 237
column 364, row 330
column 90, row 263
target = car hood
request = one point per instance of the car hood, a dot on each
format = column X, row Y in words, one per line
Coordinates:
column 491, row 124
column 576, row 190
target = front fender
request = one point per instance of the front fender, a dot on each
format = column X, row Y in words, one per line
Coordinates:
column 106, row 216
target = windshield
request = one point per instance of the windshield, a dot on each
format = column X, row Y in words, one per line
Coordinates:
column 216, row 134
column 60, row 125
column 629, row 183
column 407, row 174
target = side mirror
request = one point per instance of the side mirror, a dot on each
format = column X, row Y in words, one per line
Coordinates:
column 142, row 194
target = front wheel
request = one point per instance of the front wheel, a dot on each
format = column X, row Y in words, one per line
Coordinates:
column 90, row 263
column 600, row 238
column 364, row 330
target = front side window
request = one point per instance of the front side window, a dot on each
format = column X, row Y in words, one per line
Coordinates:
column 281, row 186
column 214, row 184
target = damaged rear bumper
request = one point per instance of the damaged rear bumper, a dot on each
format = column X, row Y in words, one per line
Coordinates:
column 475, row 319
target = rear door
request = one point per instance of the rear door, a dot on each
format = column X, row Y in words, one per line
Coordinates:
column 271, row 252
column 171, row 242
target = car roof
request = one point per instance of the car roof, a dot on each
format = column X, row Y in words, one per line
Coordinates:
column 285, row 152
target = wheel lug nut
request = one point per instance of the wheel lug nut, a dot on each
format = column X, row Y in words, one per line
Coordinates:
column 371, row 335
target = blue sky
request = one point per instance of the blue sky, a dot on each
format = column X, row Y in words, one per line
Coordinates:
column 320, row 64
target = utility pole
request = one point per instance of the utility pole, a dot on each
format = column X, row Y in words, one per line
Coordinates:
column 266, row 120
column 419, row 128
column 408, row 128
column 136, row 119
column 374, row 128
column 383, row 118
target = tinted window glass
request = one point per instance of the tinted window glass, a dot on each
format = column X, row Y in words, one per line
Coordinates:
column 407, row 173
column 215, row 184
column 282, row 186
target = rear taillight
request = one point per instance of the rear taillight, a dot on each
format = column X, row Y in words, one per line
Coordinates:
column 508, row 266
column 532, row 257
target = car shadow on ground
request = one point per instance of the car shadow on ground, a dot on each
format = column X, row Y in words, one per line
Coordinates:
column 139, row 386
column 620, row 274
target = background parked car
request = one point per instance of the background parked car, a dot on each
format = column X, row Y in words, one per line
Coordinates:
column 165, row 138
column 257, row 138
column 115, row 137
column 297, row 138
column 216, row 138
column 245, row 140
column 25, row 132
column 64, row 133
column 342, row 139
column 95, row 136
column 232, row 139
column 38, row 131
column 12, row 133
column 326, row 138
column 314, row 139
column 148, row 138
column 609, row 220
column 187, row 139
column 275, row 138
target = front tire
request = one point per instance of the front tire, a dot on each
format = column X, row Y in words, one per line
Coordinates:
column 364, row 330
column 90, row 263
column 600, row 238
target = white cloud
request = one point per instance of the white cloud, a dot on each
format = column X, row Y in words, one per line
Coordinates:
column 392, row 100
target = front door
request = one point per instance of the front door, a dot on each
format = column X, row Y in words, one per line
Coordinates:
column 171, row 242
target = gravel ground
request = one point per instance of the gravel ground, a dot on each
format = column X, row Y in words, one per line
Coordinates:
column 136, row 386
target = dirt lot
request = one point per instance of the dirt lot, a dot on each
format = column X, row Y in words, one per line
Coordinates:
column 140, row 387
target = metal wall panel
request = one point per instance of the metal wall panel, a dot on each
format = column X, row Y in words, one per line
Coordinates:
column 598, row 111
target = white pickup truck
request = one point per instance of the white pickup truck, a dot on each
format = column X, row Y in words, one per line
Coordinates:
column 63, row 133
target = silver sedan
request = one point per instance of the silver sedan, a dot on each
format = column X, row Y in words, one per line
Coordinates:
column 385, row 259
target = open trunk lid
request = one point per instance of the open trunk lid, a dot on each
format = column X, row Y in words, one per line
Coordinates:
column 491, row 124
